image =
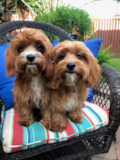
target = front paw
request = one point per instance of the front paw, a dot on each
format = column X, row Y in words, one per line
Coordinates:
column 76, row 117
column 59, row 122
column 25, row 122
column 47, row 124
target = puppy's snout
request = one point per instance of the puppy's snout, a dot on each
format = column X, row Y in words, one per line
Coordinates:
column 70, row 66
column 30, row 57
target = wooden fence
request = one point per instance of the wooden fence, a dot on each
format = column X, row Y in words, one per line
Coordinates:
column 109, row 30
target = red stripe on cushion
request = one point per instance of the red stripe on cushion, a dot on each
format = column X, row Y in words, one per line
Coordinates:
column 105, row 110
column 89, row 119
column 69, row 130
column 17, row 133
column 47, row 136
column 101, row 108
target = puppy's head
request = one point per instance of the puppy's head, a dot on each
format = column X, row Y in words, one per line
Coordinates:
column 74, row 63
column 30, row 53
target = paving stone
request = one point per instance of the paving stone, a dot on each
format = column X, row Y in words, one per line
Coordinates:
column 108, row 159
column 97, row 158
column 118, row 153
column 118, row 135
column 111, row 155
column 117, row 146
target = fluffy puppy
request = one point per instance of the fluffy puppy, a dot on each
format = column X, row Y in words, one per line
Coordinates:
column 29, row 58
column 76, row 69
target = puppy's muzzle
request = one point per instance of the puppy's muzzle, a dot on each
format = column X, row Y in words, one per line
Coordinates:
column 71, row 66
column 30, row 58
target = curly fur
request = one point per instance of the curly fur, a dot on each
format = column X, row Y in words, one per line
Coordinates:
column 31, row 77
column 70, row 88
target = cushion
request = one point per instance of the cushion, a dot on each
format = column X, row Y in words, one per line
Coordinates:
column 2, row 120
column 94, row 46
column 6, row 83
column 35, row 135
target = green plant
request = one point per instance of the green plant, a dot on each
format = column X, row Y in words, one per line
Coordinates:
column 1, row 102
column 69, row 18
column 39, row 6
column 114, row 62
column 6, row 8
column 103, row 56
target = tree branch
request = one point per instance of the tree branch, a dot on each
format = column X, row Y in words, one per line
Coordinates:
column 88, row 3
column 28, row 7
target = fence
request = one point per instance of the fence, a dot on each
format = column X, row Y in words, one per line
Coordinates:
column 109, row 30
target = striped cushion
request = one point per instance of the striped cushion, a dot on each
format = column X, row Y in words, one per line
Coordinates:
column 16, row 137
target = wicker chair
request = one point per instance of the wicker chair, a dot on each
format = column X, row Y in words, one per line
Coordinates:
column 106, row 93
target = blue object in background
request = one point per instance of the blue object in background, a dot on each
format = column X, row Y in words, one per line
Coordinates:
column 74, row 36
column 6, row 83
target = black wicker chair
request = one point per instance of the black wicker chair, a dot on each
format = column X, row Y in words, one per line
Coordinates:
column 106, row 94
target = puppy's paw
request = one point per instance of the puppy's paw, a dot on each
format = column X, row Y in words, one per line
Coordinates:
column 47, row 124
column 77, row 119
column 25, row 122
column 59, row 122
column 76, row 116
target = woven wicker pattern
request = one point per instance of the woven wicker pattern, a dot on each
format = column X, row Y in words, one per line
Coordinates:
column 106, row 93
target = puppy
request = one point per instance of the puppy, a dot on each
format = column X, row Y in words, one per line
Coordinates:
column 76, row 69
column 29, row 58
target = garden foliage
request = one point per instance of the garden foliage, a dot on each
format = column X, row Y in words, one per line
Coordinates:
column 103, row 56
column 69, row 18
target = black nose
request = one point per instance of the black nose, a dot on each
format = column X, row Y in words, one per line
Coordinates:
column 70, row 66
column 30, row 57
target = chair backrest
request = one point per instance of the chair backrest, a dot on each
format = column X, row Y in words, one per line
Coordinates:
column 9, row 29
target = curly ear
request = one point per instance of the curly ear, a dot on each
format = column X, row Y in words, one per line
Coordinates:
column 49, row 71
column 95, row 72
column 10, row 61
column 54, row 83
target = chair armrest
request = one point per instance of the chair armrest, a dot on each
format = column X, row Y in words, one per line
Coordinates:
column 112, row 79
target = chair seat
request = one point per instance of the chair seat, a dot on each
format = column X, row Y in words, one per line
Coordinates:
column 16, row 137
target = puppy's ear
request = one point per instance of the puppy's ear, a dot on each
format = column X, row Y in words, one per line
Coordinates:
column 54, row 83
column 10, row 61
column 49, row 71
column 95, row 71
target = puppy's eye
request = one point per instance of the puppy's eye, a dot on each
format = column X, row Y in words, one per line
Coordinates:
column 21, row 47
column 39, row 46
column 79, row 56
column 62, row 56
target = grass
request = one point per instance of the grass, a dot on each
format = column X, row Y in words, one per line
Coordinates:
column 114, row 62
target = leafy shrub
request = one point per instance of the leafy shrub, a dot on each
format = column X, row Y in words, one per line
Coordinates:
column 6, row 8
column 103, row 56
column 69, row 18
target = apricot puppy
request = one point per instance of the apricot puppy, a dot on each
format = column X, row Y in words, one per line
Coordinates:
column 29, row 56
column 76, row 69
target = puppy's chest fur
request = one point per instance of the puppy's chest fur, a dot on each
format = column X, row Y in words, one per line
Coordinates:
column 71, row 100
column 38, row 87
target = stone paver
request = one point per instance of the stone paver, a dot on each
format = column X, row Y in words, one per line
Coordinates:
column 118, row 135
column 97, row 158
column 118, row 153
column 111, row 155
column 117, row 145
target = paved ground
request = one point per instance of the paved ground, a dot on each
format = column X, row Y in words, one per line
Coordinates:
column 114, row 152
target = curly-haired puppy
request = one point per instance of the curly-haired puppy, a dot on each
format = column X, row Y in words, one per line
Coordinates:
column 29, row 58
column 76, row 69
